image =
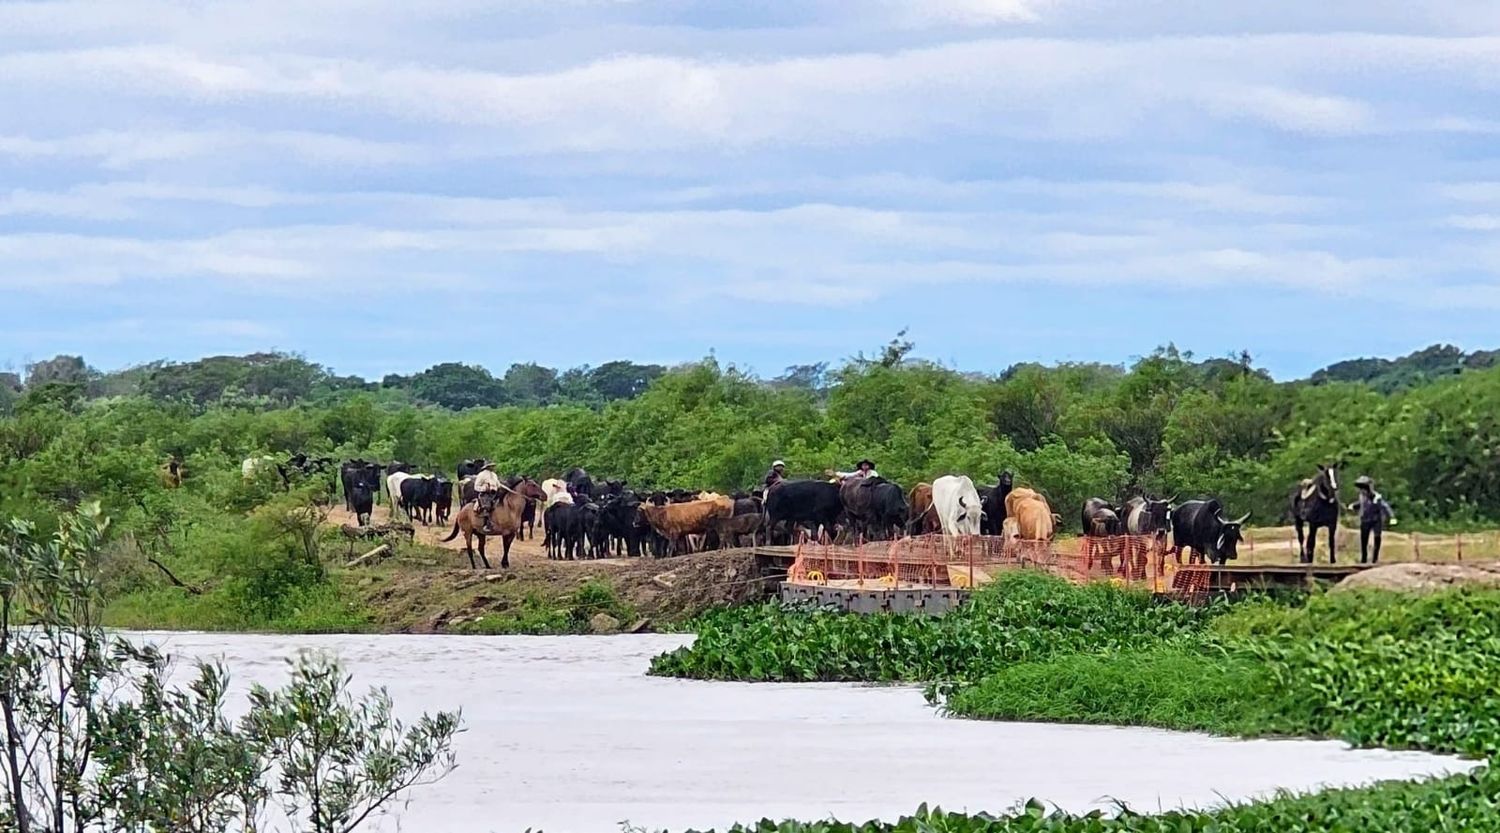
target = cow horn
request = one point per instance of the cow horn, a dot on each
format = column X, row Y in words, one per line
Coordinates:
column 1243, row 518
column 1172, row 499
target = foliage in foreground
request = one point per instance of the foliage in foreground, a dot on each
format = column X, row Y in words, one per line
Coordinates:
column 1023, row 616
column 1459, row 804
column 1371, row 668
column 96, row 738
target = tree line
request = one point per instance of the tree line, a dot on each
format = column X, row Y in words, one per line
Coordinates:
column 1168, row 423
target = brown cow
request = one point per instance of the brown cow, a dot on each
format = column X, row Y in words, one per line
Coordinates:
column 676, row 521
column 1034, row 518
column 924, row 519
column 505, row 517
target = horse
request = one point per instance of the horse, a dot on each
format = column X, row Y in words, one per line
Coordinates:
column 1315, row 504
column 505, row 516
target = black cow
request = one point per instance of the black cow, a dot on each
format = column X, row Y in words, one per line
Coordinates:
column 618, row 515
column 579, row 482
column 417, row 498
column 1148, row 516
column 595, row 534
column 813, row 504
column 361, row 499
column 1100, row 519
column 528, row 517
column 469, row 468
column 1199, row 526
column 992, row 501
column 565, row 531
column 442, row 499
column 876, row 508
column 357, row 472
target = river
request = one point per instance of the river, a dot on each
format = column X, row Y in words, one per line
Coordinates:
column 568, row 735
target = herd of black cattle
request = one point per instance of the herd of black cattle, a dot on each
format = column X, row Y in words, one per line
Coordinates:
column 608, row 518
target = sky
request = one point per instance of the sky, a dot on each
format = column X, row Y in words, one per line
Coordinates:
column 382, row 185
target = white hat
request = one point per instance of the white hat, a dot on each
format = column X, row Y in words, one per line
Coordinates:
column 778, row 463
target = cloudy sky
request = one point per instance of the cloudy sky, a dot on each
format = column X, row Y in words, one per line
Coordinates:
column 385, row 184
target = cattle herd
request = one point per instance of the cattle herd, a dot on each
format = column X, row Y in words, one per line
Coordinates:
column 584, row 518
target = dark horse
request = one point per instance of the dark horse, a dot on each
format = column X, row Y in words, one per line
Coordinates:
column 1315, row 504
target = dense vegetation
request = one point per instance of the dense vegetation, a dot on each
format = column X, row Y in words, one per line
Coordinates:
column 1372, row 668
column 1168, row 424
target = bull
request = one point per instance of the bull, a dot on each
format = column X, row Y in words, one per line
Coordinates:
column 1199, row 527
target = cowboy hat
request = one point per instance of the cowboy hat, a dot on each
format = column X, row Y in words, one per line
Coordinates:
column 488, row 467
column 1364, row 480
column 781, row 463
column 862, row 463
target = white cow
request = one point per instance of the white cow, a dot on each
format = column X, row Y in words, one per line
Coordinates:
column 956, row 502
column 253, row 465
column 556, row 492
column 393, row 487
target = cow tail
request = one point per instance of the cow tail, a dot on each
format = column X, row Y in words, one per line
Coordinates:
column 451, row 535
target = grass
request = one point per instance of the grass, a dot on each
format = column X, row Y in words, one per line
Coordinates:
column 325, row 608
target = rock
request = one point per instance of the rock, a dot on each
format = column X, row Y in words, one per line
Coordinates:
column 1424, row 578
column 603, row 623
column 640, row 626
column 496, row 577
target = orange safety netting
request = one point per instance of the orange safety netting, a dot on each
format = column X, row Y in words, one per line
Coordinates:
column 974, row 560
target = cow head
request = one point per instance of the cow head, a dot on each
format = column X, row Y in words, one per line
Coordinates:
column 1007, row 481
column 1160, row 512
column 1229, row 537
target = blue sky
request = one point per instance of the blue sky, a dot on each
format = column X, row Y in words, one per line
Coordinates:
column 383, row 185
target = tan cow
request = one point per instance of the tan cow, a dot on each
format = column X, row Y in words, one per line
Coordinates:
column 1033, row 516
column 677, row 521
column 924, row 519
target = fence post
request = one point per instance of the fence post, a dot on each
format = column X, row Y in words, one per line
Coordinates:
column 1416, row 546
column 1460, row 546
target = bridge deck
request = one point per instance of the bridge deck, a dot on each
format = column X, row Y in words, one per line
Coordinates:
column 1227, row 578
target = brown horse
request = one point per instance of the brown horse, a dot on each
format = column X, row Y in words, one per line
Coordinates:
column 505, row 517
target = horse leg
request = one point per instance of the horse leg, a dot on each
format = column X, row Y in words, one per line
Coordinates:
column 482, row 557
column 1310, row 552
column 505, row 551
column 1333, row 537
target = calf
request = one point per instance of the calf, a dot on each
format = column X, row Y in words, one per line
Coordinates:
column 442, row 499
column 361, row 498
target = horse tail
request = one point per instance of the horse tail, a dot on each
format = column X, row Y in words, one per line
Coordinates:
column 453, row 534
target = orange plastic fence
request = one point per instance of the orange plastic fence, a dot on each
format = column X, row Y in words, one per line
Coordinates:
column 964, row 561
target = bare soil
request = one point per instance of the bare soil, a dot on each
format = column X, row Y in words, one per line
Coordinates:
column 428, row 587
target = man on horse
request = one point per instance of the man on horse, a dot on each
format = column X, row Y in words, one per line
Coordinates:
column 487, row 485
column 864, row 470
column 1374, row 513
column 776, row 474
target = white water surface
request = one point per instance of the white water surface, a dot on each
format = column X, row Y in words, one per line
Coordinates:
column 569, row 735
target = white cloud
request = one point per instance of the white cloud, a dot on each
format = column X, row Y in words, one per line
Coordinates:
column 1475, row 222
column 121, row 149
column 1020, row 87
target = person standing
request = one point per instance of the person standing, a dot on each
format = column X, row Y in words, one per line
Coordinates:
column 1374, row 514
